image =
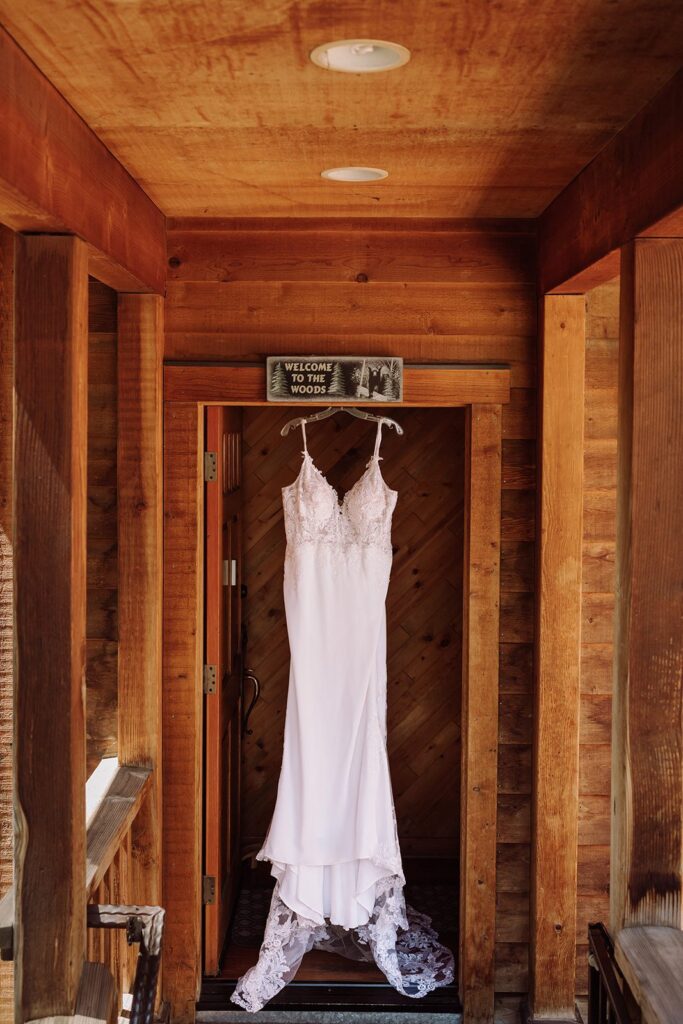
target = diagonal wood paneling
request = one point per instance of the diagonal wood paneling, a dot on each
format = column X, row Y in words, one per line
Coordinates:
column 424, row 607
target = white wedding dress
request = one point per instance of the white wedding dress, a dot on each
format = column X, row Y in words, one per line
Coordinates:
column 332, row 841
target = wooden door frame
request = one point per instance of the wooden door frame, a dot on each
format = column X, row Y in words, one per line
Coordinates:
column 188, row 389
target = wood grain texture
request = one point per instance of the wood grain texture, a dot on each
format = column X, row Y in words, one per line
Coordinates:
column 229, row 342
column 422, row 386
column 480, row 630
column 96, row 1000
column 225, row 601
column 140, row 534
column 650, row 959
column 50, row 603
column 102, row 544
column 423, row 609
column 444, row 263
column 110, row 947
column 112, row 821
column 557, row 659
column 647, row 825
column 593, row 216
column 182, row 706
column 7, row 243
column 359, row 252
column 414, row 308
column 228, row 116
column 598, row 582
column 57, row 175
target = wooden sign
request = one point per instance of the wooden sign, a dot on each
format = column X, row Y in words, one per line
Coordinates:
column 334, row 379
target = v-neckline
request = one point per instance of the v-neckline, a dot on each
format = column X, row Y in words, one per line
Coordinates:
column 340, row 499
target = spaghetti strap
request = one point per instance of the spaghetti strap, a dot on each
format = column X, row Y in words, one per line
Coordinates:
column 378, row 441
column 303, row 432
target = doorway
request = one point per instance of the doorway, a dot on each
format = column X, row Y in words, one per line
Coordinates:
column 424, row 667
column 189, row 389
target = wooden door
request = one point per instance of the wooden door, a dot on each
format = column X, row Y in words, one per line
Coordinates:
column 222, row 676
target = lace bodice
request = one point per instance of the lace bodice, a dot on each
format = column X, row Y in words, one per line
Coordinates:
column 314, row 514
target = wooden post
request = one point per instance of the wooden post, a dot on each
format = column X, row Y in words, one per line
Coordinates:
column 481, row 602
column 647, row 738
column 183, row 704
column 6, row 575
column 557, row 661
column 140, row 489
column 51, row 366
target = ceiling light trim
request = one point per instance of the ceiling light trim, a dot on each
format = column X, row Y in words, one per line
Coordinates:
column 360, row 56
column 354, row 175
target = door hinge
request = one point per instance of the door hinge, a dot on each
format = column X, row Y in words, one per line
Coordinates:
column 230, row 572
column 210, row 467
column 208, row 889
column 209, row 679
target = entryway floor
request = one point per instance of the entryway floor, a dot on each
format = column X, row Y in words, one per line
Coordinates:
column 432, row 889
column 331, row 989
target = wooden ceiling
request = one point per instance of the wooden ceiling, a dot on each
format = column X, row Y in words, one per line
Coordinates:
column 216, row 110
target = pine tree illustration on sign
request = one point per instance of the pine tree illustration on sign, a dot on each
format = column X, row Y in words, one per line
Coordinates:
column 279, row 384
column 394, row 380
column 337, row 384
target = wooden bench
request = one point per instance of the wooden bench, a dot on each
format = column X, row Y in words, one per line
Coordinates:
column 651, row 960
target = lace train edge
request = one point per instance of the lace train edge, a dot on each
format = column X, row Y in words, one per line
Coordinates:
column 398, row 938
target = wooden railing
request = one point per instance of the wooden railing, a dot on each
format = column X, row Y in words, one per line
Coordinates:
column 116, row 972
column 109, row 869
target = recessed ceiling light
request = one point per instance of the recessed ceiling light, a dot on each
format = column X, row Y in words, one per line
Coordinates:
column 354, row 174
column 360, row 56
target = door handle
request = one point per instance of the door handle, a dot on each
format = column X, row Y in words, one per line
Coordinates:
column 249, row 675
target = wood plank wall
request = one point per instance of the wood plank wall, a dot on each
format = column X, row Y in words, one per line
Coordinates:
column 102, row 625
column 464, row 292
column 599, row 542
column 424, row 609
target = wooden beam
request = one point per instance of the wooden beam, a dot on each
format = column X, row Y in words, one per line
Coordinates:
column 182, row 706
column 633, row 183
column 7, row 240
column 481, row 606
column 647, row 737
column 422, row 385
column 56, row 176
column 557, row 660
column 140, row 529
column 352, row 225
column 51, row 372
